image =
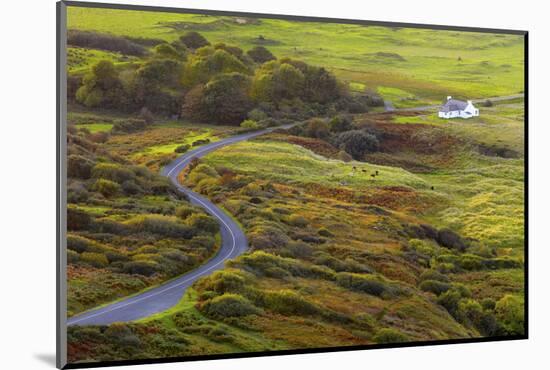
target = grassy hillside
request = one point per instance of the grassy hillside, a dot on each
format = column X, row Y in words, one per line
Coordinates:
column 364, row 226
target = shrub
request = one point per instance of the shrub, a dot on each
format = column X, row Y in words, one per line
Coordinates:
column 260, row 54
column 297, row 221
column 107, row 188
column 80, row 244
column 184, row 211
column 229, row 305
column 288, row 302
column 165, row 50
column 389, row 335
column 317, row 128
column 433, row 275
column 357, row 143
column 362, row 283
column 449, row 239
column 129, row 125
column 94, row 40
column 167, row 226
column 341, row 123
column 72, row 256
column 95, row 259
column 249, row 124
column 193, row 40
column 112, row 172
column 434, row 286
column 487, row 103
column 257, row 115
column 510, row 313
column 323, row 231
column 182, row 148
column 79, row 166
column 202, row 223
column 77, row 219
column 144, row 268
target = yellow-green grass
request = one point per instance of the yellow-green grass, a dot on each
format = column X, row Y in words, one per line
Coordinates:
column 434, row 63
column 79, row 60
column 188, row 139
column 295, row 164
column 96, row 127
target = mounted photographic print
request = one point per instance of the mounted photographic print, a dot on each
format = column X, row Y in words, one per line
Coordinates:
column 235, row 185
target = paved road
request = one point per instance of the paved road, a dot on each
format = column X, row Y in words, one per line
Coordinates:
column 167, row 295
column 389, row 106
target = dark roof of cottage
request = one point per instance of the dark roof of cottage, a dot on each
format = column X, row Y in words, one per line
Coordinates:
column 453, row 105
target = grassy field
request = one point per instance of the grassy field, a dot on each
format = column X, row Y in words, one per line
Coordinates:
column 419, row 237
column 405, row 65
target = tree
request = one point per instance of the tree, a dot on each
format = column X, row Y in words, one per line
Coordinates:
column 357, row 143
column 260, row 55
column 193, row 40
column 317, row 128
column 223, row 100
column 101, row 87
column 274, row 81
column 166, row 50
column 341, row 123
column 208, row 62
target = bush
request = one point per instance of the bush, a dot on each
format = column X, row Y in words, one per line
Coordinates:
column 260, row 54
column 202, row 223
column 94, row 40
column 389, row 335
column 144, row 268
column 357, row 143
column 94, row 259
column 317, row 128
column 487, row 103
column 112, row 172
column 433, row 275
column 193, row 40
column 297, row 221
column 107, row 188
column 77, row 219
column 434, row 286
column 449, row 239
column 182, row 148
column 257, row 115
column 511, row 315
column 129, row 125
column 341, row 123
column 362, row 283
column 166, row 226
column 323, row 231
column 79, row 166
column 184, row 211
column 249, row 124
column 288, row 302
column 229, row 305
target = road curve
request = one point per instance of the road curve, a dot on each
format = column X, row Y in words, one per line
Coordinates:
column 167, row 295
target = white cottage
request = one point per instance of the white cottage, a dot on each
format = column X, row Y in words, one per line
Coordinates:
column 457, row 108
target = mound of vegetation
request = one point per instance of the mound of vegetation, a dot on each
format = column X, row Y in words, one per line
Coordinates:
column 94, row 40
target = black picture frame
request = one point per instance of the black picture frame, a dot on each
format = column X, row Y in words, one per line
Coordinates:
column 61, row 317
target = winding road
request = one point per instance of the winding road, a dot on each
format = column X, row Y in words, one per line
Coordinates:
column 233, row 239
column 168, row 294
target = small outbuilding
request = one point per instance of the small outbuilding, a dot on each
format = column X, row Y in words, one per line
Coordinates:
column 454, row 108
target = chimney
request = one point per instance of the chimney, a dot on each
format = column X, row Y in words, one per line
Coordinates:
column 449, row 98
